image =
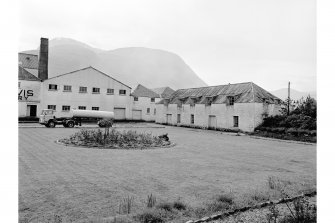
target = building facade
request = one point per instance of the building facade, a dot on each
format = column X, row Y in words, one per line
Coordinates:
column 144, row 104
column 235, row 106
column 86, row 89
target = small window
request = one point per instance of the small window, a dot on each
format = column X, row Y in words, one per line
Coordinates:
column 96, row 90
column 152, row 99
column 95, row 108
column 178, row 118
column 53, row 87
column 19, row 84
column 235, row 121
column 110, row 91
column 154, row 111
column 192, row 119
column 67, row 88
column 82, row 89
column 122, row 92
column 82, row 107
column 53, row 107
column 66, row 108
column 231, row 100
column 148, row 110
column 135, row 98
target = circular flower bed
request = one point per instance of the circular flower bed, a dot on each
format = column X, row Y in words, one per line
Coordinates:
column 112, row 139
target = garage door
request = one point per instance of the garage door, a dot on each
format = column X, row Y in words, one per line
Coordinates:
column 137, row 114
column 169, row 118
column 120, row 113
column 212, row 122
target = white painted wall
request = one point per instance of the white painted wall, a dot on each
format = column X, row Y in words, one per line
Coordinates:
column 86, row 78
column 143, row 104
column 250, row 114
column 29, row 93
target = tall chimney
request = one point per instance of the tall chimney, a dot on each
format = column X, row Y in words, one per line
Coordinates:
column 43, row 59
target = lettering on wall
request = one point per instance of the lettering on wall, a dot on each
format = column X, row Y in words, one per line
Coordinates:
column 25, row 94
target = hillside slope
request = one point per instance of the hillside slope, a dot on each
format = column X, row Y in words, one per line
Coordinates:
column 134, row 65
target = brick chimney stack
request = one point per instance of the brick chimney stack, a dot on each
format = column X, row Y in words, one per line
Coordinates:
column 43, row 59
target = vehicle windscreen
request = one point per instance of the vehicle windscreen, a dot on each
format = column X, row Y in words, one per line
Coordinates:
column 47, row 112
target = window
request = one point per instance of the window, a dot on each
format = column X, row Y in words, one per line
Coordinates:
column 95, row 108
column 53, row 107
column 96, row 90
column 178, row 118
column 82, row 107
column 19, row 84
column 110, row 91
column 53, row 87
column 192, row 119
column 135, row 98
column 66, row 108
column 122, row 92
column 67, row 88
column 148, row 110
column 82, row 89
column 235, row 121
column 152, row 99
column 231, row 100
column 154, row 111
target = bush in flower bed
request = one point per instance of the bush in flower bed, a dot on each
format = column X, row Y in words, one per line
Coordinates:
column 115, row 139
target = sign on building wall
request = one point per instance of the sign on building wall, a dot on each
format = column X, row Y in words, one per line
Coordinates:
column 29, row 91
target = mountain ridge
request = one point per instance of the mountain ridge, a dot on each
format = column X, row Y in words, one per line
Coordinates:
column 131, row 65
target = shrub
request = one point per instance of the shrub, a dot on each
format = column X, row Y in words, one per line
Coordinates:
column 165, row 206
column 115, row 139
column 179, row 205
column 216, row 206
column 225, row 198
column 150, row 216
column 302, row 212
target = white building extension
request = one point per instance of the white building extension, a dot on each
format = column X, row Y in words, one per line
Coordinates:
column 144, row 104
column 235, row 106
column 86, row 89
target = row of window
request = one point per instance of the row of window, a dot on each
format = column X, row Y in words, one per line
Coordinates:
column 151, row 99
column 68, row 107
column 192, row 119
column 95, row 90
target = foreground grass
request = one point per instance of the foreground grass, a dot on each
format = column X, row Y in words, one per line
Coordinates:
column 80, row 184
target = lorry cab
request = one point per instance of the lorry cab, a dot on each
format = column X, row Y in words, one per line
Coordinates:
column 46, row 116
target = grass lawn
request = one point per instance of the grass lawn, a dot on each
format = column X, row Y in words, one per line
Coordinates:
column 79, row 184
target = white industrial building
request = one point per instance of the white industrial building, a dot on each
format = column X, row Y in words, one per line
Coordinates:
column 87, row 88
column 234, row 106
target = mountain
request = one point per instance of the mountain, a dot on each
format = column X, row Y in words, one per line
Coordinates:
column 133, row 65
column 294, row 94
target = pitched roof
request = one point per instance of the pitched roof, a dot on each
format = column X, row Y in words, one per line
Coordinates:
column 27, row 60
column 27, row 74
column 90, row 67
column 164, row 92
column 142, row 91
column 243, row 93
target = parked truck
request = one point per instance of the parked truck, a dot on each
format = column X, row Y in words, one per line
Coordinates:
column 49, row 119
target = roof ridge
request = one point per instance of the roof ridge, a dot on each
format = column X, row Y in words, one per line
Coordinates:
column 28, row 54
column 214, row 86
column 88, row 68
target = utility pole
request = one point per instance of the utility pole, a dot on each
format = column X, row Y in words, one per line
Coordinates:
column 288, row 99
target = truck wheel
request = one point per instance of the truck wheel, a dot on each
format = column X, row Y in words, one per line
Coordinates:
column 70, row 124
column 51, row 124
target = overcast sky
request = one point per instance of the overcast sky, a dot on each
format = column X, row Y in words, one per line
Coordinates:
column 269, row 42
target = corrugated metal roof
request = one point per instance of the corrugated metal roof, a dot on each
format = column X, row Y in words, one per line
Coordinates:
column 242, row 92
column 24, row 74
column 28, row 60
column 142, row 91
column 164, row 92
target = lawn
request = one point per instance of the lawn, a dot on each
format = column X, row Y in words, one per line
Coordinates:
column 79, row 184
